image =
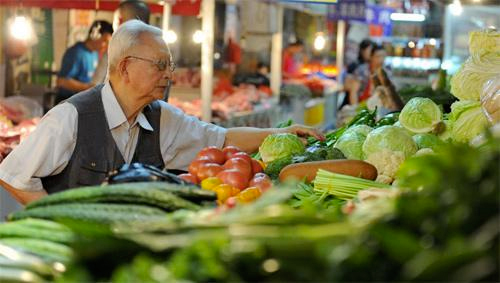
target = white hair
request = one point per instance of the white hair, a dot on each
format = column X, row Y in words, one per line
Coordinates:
column 126, row 37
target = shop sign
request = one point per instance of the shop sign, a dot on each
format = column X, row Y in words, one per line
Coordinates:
column 312, row 1
column 348, row 10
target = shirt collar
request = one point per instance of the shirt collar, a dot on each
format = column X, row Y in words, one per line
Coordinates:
column 114, row 112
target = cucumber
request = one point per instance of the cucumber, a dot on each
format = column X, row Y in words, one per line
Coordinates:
column 17, row 275
column 9, row 257
column 45, row 249
column 163, row 195
column 90, row 212
column 37, row 229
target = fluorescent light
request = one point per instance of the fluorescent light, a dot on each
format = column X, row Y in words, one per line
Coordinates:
column 170, row 36
column 21, row 28
column 319, row 42
column 198, row 37
column 456, row 8
column 405, row 17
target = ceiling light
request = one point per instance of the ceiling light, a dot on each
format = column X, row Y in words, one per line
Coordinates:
column 198, row 36
column 319, row 42
column 456, row 8
column 21, row 28
column 170, row 36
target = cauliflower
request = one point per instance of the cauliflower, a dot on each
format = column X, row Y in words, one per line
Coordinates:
column 387, row 163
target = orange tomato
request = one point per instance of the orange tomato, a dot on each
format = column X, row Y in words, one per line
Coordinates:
column 249, row 194
column 223, row 192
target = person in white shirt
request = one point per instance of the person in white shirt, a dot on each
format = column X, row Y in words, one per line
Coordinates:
column 122, row 121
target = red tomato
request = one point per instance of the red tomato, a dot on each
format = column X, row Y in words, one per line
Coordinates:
column 256, row 167
column 261, row 181
column 189, row 178
column 213, row 153
column 243, row 155
column 231, row 202
column 195, row 165
column 208, row 170
column 229, row 151
column 239, row 164
column 233, row 178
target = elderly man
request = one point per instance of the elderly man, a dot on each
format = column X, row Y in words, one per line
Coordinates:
column 122, row 121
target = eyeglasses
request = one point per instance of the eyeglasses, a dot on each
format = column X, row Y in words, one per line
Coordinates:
column 160, row 64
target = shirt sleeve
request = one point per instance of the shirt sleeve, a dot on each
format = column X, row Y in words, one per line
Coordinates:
column 44, row 152
column 183, row 136
column 70, row 64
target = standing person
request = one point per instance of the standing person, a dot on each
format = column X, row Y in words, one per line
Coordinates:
column 121, row 121
column 80, row 60
column 127, row 10
column 290, row 64
column 364, row 54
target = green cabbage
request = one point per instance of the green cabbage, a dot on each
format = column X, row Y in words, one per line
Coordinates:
column 359, row 129
column 351, row 141
column 351, row 145
column 277, row 146
column 468, row 120
column 427, row 141
column 390, row 138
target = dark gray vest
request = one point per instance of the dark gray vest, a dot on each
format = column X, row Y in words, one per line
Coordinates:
column 96, row 152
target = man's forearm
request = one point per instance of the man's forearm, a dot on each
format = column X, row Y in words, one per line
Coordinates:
column 21, row 196
column 72, row 84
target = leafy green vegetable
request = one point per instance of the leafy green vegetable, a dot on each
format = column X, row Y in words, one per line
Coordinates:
column 277, row 146
column 420, row 115
column 391, row 138
column 427, row 141
column 351, row 145
column 388, row 120
column 273, row 168
column 468, row 120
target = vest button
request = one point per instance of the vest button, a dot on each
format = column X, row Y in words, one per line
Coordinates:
column 92, row 164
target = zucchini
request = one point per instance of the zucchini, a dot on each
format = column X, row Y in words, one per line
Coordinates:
column 42, row 248
column 163, row 195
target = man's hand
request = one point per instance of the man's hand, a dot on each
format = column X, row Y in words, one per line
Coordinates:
column 303, row 132
column 21, row 196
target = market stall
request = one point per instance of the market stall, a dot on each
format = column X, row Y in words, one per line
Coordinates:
column 411, row 196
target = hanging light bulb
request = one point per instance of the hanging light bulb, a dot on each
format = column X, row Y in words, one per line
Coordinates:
column 456, row 8
column 170, row 36
column 198, row 36
column 21, row 28
column 319, row 41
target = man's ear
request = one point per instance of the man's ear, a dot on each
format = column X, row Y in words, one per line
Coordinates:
column 122, row 69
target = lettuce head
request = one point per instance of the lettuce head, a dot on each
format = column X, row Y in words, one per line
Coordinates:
column 277, row 146
column 390, row 138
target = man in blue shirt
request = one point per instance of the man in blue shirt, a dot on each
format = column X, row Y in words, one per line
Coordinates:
column 80, row 61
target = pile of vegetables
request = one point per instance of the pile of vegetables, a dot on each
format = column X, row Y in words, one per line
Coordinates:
column 231, row 173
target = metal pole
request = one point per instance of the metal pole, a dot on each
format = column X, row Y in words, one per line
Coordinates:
column 207, row 57
column 167, row 10
column 341, row 26
column 276, row 50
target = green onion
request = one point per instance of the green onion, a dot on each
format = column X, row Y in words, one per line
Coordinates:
column 343, row 186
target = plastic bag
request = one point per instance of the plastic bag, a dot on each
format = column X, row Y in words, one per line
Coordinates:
column 490, row 99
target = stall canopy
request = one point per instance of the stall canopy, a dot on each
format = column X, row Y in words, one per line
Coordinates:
column 179, row 7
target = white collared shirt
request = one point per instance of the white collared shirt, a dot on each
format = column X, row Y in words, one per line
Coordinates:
column 48, row 149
